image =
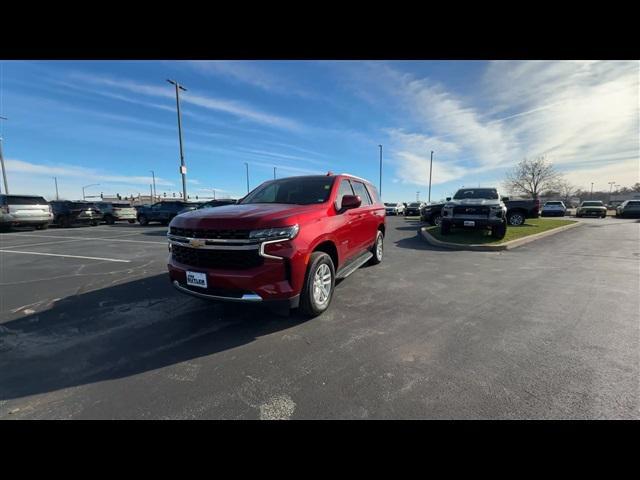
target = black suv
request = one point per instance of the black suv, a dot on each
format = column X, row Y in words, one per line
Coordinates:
column 475, row 208
column 67, row 213
column 162, row 212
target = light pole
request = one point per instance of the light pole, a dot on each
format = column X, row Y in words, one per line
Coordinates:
column 56, row 181
column 274, row 173
column 417, row 196
column 183, row 167
column 591, row 195
column 380, row 182
column 153, row 175
column 4, row 172
column 87, row 186
column 247, row 165
column 611, row 184
column 430, row 169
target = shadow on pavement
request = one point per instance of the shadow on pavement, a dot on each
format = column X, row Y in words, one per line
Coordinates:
column 121, row 331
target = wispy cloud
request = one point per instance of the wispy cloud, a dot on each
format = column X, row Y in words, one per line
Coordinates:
column 235, row 108
column 74, row 171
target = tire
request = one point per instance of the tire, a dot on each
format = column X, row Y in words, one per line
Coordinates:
column 131, row 221
column 94, row 223
column 445, row 228
column 378, row 253
column 42, row 226
column 109, row 220
column 516, row 219
column 499, row 231
column 436, row 220
column 143, row 220
column 64, row 222
column 309, row 301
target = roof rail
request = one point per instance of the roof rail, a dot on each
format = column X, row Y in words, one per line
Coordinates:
column 355, row 176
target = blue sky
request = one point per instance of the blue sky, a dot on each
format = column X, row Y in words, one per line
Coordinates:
column 111, row 122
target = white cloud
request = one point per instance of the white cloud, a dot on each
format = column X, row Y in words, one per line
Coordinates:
column 235, row 108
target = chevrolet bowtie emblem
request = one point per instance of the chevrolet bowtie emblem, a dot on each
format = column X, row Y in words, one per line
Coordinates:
column 197, row 243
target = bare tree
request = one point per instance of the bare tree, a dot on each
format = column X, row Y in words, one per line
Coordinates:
column 532, row 176
column 566, row 190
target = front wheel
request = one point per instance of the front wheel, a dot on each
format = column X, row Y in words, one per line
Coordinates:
column 436, row 220
column 499, row 231
column 378, row 249
column 109, row 220
column 143, row 220
column 43, row 226
column 318, row 285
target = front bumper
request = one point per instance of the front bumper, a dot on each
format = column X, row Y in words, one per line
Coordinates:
column 221, row 296
column 552, row 213
column 478, row 222
column 412, row 212
column 595, row 213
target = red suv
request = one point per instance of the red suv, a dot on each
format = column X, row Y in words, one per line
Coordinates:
column 285, row 242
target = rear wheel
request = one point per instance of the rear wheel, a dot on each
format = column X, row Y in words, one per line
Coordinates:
column 516, row 218
column 143, row 220
column 378, row 249
column 436, row 220
column 318, row 285
column 109, row 220
column 64, row 222
column 42, row 226
column 132, row 221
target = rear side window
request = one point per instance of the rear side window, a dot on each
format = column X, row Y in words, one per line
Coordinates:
column 343, row 189
column 373, row 193
column 360, row 189
column 633, row 203
column 20, row 200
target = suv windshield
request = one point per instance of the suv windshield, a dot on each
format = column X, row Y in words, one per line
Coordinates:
column 389, row 204
column 295, row 190
column 477, row 193
column 592, row 204
column 414, row 204
column 26, row 200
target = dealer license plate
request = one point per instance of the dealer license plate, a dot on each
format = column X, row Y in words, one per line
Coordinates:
column 469, row 223
column 197, row 279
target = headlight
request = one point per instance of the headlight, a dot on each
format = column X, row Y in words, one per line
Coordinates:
column 284, row 233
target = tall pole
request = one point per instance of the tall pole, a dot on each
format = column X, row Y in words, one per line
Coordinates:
column 611, row 184
column 417, row 196
column 56, row 180
column 430, row 169
column 153, row 175
column 183, row 167
column 274, row 173
column 247, row 165
column 4, row 172
column 591, row 196
column 380, row 182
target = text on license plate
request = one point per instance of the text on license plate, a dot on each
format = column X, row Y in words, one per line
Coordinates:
column 197, row 279
column 469, row 223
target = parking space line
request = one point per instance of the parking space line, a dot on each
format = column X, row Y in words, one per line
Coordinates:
column 112, row 239
column 39, row 244
column 67, row 256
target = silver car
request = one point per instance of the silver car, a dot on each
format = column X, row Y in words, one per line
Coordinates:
column 394, row 208
column 24, row 211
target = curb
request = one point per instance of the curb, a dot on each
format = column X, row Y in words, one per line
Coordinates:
column 494, row 248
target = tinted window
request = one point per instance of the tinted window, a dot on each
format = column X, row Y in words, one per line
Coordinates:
column 592, row 204
column 553, row 203
column 20, row 200
column 414, row 204
column 295, row 190
column 634, row 203
column 344, row 189
column 362, row 191
column 488, row 193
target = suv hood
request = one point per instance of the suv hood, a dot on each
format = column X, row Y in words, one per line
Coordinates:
column 246, row 217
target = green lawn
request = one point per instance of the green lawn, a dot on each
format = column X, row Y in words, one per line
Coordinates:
column 531, row 227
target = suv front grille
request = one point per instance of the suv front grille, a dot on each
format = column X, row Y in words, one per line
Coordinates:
column 210, row 234
column 462, row 210
column 226, row 259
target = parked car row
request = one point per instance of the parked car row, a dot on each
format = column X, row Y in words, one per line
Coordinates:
column 35, row 211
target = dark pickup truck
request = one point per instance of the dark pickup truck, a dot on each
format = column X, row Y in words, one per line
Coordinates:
column 162, row 212
column 519, row 210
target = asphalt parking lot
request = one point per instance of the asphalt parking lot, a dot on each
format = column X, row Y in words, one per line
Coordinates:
column 91, row 328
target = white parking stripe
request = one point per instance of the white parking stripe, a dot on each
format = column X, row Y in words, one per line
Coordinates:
column 112, row 239
column 67, row 256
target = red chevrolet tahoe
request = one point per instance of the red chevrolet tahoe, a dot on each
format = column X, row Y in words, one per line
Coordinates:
column 285, row 242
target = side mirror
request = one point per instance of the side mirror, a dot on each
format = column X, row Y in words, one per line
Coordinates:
column 448, row 199
column 351, row 201
column 505, row 199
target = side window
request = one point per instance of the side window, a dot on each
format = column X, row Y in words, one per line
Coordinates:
column 360, row 189
column 343, row 189
column 373, row 193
